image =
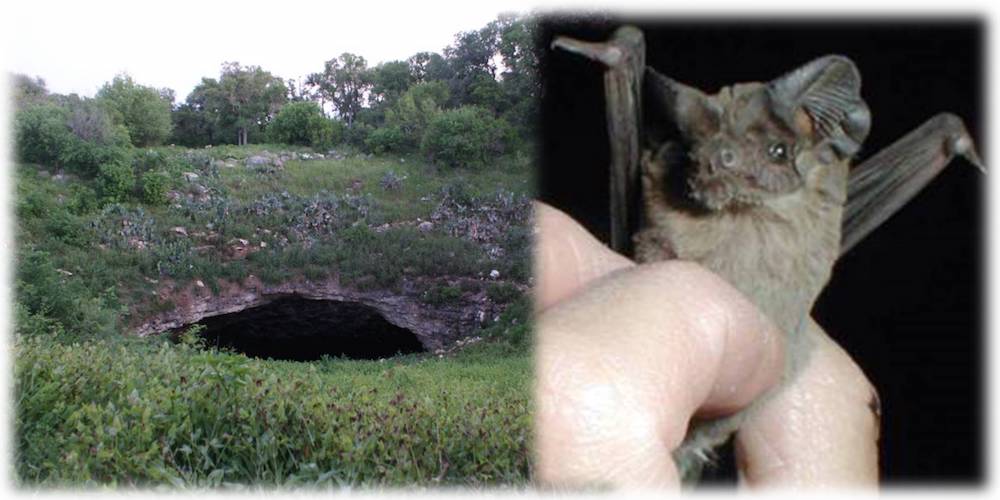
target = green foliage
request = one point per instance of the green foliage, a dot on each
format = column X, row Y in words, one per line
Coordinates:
column 467, row 136
column 303, row 123
column 50, row 300
column 41, row 134
column 357, row 135
column 413, row 111
column 343, row 82
column 143, row 111
column 76, row 135
column 386, row 139
column 155, row 185
column 115, row 182
column 389, row 81
column 441, row 294
column 244, row 99
column 141, row 414
column 502, row 293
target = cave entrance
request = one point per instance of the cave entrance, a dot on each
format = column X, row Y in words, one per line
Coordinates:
column 299, row 329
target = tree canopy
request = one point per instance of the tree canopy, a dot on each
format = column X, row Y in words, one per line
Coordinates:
column 143, row 111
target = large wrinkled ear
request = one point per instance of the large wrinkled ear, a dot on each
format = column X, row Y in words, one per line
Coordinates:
column 823, row 99
column 688, row 108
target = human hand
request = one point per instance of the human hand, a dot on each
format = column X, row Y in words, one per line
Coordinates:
column 626, row 355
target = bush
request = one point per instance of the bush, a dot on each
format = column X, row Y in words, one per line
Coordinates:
column 414, row 110
column 86, row 158
column 115, row 182
column 76, row 136
column 467, row 136
column 385, row 139
column 303, row 124
column 49, row 301
column 41, row 134
column 155, row 185
column 440, row 295
column 357, row 135
column 502, row 293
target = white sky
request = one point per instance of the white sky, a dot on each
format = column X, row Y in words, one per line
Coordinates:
column 77, row 46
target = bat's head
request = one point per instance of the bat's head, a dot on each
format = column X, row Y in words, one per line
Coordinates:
column 752, row 142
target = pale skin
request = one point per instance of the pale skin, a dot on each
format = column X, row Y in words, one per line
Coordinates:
column 627, row 354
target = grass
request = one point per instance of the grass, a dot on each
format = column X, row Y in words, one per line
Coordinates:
column 299, row 222
column 150, row 413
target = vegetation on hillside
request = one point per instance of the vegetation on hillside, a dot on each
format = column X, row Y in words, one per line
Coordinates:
column 412, row 173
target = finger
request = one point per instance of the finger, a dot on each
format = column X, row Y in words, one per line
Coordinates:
column 820, row 430
column 623, row 365
column 566, row 256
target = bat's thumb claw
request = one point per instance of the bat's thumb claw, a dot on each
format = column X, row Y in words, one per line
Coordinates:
column 963, row 146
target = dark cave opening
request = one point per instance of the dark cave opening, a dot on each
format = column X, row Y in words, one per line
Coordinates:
column 299, row 329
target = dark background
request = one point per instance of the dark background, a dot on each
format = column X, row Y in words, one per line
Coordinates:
column 906, row 302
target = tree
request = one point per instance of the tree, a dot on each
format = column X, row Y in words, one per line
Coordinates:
column 144, row 111
column 343, row 82
column 428, row 67
column 251, row 97
column 243, row 99
column 27, row 90
column 414, row 110
column 471, row 59
column 519, row 81
column 389, row 81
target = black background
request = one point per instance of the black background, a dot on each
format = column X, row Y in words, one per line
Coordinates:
column 906, row 302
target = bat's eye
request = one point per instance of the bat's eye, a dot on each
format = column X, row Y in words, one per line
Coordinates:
column 778, row 151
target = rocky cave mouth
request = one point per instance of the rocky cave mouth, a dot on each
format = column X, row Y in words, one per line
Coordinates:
column 295, row 328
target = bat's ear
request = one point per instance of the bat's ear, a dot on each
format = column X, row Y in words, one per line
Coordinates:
column 687, row 107
column 823, row 99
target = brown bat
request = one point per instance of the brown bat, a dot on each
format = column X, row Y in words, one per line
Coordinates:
column 758, row 186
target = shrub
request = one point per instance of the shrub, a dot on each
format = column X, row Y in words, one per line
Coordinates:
column 154, row 187
column 115, row 182
column 303, row 124
column 502, row 293
column 467, row 136
column 86, row 158
column 441, row 295
column 49, row 301
column 358, row 135
column 391, row 182
column 385, row 139
column 41, row 134
column 414, row 110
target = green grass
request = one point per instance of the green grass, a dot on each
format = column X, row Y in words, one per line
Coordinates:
column 312, row 205
column 146, row 413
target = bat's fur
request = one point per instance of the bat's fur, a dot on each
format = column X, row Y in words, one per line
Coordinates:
column 778, row 248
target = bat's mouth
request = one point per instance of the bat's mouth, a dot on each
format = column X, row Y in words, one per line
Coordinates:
column 714, row 193
column 721, row 191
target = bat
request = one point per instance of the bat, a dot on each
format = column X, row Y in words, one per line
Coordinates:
column 754, row 182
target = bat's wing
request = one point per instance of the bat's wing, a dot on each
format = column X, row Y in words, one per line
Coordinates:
column 884, row 183
column 624, row 60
